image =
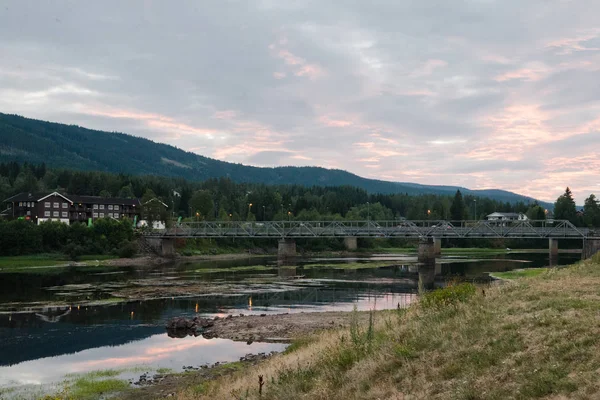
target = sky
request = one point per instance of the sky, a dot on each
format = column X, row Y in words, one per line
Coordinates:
column 478, row 93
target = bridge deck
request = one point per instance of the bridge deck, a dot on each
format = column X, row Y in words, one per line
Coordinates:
column 386, row 229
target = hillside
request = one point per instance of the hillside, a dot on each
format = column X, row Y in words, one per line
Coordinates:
column 69, row 146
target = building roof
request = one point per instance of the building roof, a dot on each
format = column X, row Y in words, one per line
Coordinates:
column 25, row 197
column 105, row 200
column 501, row 214
column 156, row 199
column 73, row 199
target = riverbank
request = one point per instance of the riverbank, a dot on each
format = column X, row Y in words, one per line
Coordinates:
column 41, row 263
column 533, row 337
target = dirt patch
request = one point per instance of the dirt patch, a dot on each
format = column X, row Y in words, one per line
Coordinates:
column 279, row 327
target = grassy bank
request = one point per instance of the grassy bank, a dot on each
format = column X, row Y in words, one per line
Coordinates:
column 533, row 337
column 19, row 263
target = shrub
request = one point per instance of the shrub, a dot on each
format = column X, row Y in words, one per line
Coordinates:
column 73, row 251
column 128, row 250
column 451, row 295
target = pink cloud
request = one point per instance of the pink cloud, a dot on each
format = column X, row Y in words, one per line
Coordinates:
column 299, row 65
column 225, row 114
column 289, row 58
column 301, row 157
column 151, row 120
column 570, row 45
column 279, row 75
column 535, row 73
column 335, row 123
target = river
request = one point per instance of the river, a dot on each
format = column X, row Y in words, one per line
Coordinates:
column 74, row 320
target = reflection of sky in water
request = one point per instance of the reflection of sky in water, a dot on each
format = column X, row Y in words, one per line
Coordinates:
column 362, row 302
column 159, row 351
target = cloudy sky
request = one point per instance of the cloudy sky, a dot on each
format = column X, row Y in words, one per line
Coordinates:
column 479, row 93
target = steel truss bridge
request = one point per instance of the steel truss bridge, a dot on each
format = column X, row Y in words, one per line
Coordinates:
column 528, row 229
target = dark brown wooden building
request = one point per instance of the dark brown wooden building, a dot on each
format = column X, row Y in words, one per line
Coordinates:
column 69, row 208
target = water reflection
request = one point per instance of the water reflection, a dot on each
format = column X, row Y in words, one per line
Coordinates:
column 159, row 351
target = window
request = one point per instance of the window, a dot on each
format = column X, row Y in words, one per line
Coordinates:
column 65, row 205
column 101, row 215
column 55, row 214
column 29, row 213
column 102, row 206
column 65, row 214
column 56, row 205
column 95, row 215
column 110, row 207
column 95, row 206
column 20, row 204
column 116, row 208
column 46, row 213
column 47, row 204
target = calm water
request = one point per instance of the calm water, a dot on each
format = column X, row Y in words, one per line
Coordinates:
column 41, row 343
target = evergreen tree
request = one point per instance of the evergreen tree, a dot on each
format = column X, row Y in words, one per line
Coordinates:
column 564, row 208
column 457, row 209
column 591, row 212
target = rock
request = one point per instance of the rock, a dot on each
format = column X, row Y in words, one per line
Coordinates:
column 180, row 327
column 250, row 341
column 229, row 316
column 263, row 315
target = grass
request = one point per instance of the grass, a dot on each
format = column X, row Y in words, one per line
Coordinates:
column 44, row 262
column 234, row 269
column 519, row 273
column 534, row 337
column 354, row 265
column 85, row 388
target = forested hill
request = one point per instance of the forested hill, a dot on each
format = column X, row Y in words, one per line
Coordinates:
column 68, row 146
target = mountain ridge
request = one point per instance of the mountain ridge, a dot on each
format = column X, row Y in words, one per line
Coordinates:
column 73, row 147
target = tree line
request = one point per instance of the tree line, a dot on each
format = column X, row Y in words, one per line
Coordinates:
column 223, row 199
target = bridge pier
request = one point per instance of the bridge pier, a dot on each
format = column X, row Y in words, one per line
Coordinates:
column 426, row 259
column 553, row 252
column 286, row 248
column 350, row 243
column 437, row 246
column 162, row 246
column 590, row 248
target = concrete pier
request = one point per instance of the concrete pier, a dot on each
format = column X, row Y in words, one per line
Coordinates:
column 590, row 248
column 437, row 246
column 286, row 248
column 161, row 246
column 426, row 259
column 553, row 252
column 351, row 243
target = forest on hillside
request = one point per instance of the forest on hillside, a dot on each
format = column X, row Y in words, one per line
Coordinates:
column 77, row 148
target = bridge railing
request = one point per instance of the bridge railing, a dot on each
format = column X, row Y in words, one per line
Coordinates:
column 369, row 228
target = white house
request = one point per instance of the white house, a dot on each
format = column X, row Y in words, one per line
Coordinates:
column 498, row 216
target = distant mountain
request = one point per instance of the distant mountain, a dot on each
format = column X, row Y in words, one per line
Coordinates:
column 73, row 147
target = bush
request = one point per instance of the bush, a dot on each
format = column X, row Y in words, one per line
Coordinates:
column 73, row 251
column 451, row 295
column 128, row 250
